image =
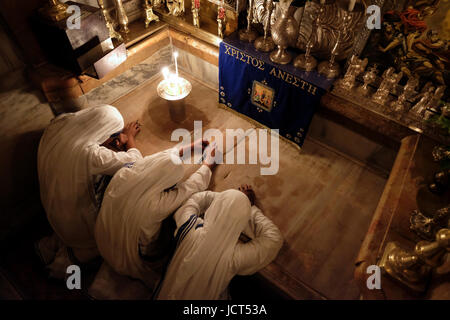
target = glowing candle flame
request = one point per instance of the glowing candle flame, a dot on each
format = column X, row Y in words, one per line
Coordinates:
column 165, row 72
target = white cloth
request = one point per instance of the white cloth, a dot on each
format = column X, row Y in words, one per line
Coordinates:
column 134, row 205
column 69, row 157
column 209, row 253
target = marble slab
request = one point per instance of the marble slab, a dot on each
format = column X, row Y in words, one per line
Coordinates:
column 131, row 79
column 321, row 201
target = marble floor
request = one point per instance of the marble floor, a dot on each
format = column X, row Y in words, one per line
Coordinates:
column 321, row 200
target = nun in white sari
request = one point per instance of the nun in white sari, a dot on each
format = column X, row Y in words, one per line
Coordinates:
column 71, row 160
column 135, row 203
column 209, row 253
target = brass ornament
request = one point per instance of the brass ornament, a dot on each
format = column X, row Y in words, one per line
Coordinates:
column 420, row 107
column 356, row 66
column 390, row 80
column 175, row 7
column 369, row 77
column 109, row 24
column 284, row 33
column 306, row 61
column 149, row 14
column 331, row 22
column 409, row 92
column 248, row 34
column 413, row 268
column 221, row 21
column 54, row 10
column 122, row 18
column 426, row 227
column 265, row 43
column 195, row 13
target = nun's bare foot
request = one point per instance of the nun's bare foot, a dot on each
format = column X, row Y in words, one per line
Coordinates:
column 248, row 191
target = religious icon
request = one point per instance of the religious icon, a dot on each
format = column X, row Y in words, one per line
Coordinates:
column 221, row 20
column 262, row 96
column 149, row 15
column 195, row 13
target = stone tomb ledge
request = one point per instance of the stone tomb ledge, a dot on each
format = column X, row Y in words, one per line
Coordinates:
column 321, row 200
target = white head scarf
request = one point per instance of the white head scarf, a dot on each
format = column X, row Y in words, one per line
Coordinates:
column 64, row 158
column 126, row 209
column 202, row 265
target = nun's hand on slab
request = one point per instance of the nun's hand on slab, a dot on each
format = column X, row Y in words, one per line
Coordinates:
column 200, row 142
column 132, row 129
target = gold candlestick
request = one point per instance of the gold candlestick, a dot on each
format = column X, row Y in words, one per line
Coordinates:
column 306, row 61
column 221, row 20
column 265, row 43
column 112, row 32
column 248, row 34
column 149, row 15
column 54, row 10
column 195, row 13
column 121, row 16
column 331, row 69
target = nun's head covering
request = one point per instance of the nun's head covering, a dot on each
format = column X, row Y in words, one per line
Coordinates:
column 202, row 265
column 64, row 159
column 126, row 211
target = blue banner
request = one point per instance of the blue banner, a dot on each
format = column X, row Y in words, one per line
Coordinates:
column 277, row 96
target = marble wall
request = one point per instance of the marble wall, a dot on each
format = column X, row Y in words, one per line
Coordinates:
column 198, row 68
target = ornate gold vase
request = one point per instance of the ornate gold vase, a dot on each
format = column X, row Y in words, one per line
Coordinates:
column 284, row 33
